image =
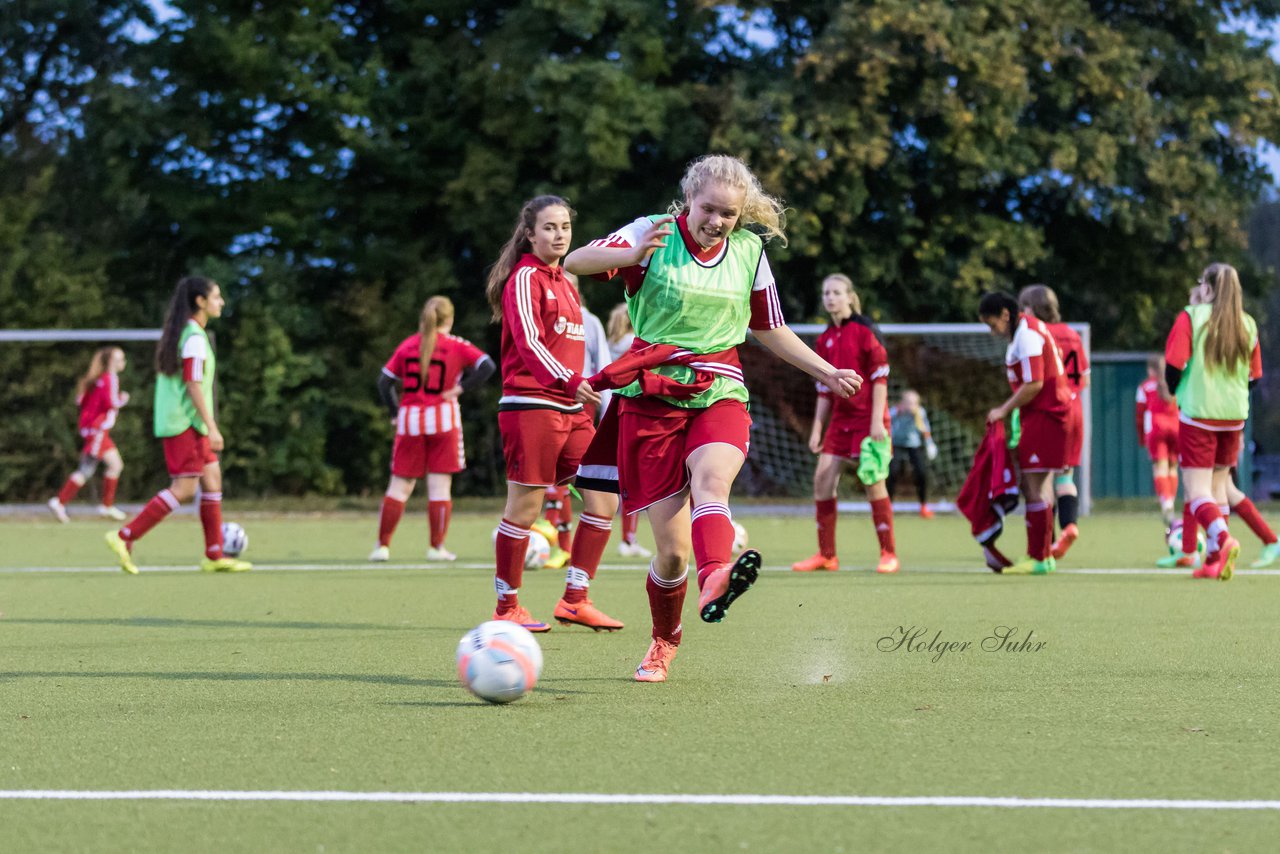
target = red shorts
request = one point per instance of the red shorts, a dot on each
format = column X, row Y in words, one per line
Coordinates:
column 413, row 457
column 1043, row 443
column 187, row 453
column 1162, row 444
column 1199, row 448
column 544, row 446
column 97, row 446
column 655, row 440
column 1075, row 434
column 844, row 437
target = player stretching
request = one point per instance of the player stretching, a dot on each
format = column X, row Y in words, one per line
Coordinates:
column 1041, row 301
column 1211, row 360
column 545, row 427
column 1040, row 393
column 184, row 422
column 420, row 385
column 859, row 426
column 695, row 280
column 99, row 398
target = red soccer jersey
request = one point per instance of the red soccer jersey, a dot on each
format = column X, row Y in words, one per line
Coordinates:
column 1075, row 362
column 1032, row 356
column 422, row 411
column 1153, row 412
column 543, row 343
column 99, row 404
column 855, row 344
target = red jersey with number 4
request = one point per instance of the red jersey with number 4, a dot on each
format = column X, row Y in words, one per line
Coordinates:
column 422, row 410
column 855, row 344
column 1033, row 356
column 98, row 405
column 1075, row 362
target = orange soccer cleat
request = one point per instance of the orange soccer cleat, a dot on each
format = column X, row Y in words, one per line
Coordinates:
column 723, row 586
column 818, row 561
column 657, row 661
column 1064, row 542
column 585, row 613
column 925, row 512
column 520, row 616
column 1222, row 563
column 888, row 563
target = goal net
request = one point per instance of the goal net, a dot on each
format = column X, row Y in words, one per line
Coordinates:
column 957, row 368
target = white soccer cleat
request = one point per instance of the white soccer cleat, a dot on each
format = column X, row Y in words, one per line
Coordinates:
column 633, row 550
column 441, row 553
column 59, row 512
column 112, row 512
column 381, row 554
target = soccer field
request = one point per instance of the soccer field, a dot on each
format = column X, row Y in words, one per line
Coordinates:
column 312, row 704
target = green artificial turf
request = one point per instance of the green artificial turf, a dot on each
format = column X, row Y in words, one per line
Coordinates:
column 1147, row 686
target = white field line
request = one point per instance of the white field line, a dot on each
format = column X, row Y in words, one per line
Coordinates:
column 383, row 567
column 632, row 799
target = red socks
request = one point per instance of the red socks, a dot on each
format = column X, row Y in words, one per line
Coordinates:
column 712, row 538
column 1188, row 529
column 825, row 513
column 69, row 489
column 1249, row 513
column 109, row 485
column 666, row 601
column 438, row 515
column 157, row 508
column 1166, row 486
column 211, row 521
column 392, row 510
column 1210, row 518
column 630, row 521
column 588, row 546
column 1039, row 529
column 882, row 518
column 509, row 548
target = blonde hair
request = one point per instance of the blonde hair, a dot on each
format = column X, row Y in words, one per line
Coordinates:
column 1041, row 301
column 436, row 312
column 97, row 367
column 517, row 245
column 854, row 299
column 619, row 323
column 1226, row 338
column 758, row 207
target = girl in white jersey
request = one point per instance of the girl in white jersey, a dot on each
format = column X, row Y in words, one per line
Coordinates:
column 696, row 279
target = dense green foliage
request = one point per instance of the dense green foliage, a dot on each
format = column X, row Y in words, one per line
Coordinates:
column 333, row 164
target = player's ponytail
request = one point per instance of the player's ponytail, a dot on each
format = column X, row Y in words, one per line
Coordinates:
column 1226, row 338
column 517, row 245
column 182, row 306
column 995, row 303
column 758, row 207
column 97, row 367
column 436, row 312
column 1041, row 301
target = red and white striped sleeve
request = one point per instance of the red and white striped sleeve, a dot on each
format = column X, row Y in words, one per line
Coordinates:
column 114, row 388
column 1028, row 352
column 876, row 359
column 522, row 310
column 766, row 309
column 194, row 354
column 623, row 238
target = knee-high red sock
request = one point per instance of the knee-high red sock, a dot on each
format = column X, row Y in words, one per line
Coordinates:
column 882, row 518
column 666, row 601
column 211, row 521
column 712, row 538
column 509, row 548
column 1039, row 529
column 630, row 521
column 438, row 515
column 588, row 545
column 825, row 513
column 1247, row 511
column 69, row 489
column 1189, row 529
column 1210, row 518
column 161, row 505
column 109, row 485
column 392, row 510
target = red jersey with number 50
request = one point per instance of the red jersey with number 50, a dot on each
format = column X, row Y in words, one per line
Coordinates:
column 422, row 411
column 1033, row 356
column 1075, row 362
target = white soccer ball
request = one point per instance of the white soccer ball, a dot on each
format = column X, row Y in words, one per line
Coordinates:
column 234, row 539
column 499, row 661
column 739, row 537
column 1173, row 539
column 538, row 551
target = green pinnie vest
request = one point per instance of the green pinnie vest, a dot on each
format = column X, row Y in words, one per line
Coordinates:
column 1218, row 393
column 702, row 308
column 175, row 412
